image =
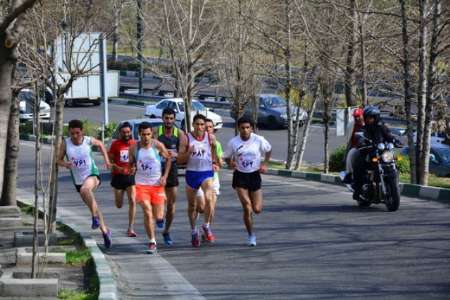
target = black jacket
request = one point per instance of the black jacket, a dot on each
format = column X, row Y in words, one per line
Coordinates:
column 377, row 133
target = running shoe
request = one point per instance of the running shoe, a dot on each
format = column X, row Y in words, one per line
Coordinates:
column 95, row 222
column 208, row 235
column 160, row 223
column 131, row 233
column 107, row 239
column 151, row 248
column 251, row 240
column 195, row 240
column 167, row 240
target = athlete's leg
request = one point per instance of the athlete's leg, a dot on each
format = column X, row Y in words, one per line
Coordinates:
column 192, row 206
column 171, row 197
column 131, row 193
column 149, row 222
column 244, row 197
column 208, row 191
column 256, row 199
column 118, row 196
column 200, row 199
column 158, row 211
column 87, row 194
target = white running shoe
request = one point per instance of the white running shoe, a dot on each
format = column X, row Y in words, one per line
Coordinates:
column 251, row 240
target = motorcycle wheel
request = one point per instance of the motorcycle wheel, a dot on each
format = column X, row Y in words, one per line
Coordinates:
column 392, row 197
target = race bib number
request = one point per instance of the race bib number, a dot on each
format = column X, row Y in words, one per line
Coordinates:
column 123, row 156
column 79, row 163
column 145, row 166
column 246, row 161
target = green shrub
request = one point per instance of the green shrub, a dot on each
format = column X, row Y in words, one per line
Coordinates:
column 110, row 128
column 337, row 159
column 403, row 164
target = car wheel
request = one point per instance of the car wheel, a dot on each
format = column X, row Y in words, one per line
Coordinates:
column 96, row 103
column 272, row 123
column 152, row 116
column 69, row 102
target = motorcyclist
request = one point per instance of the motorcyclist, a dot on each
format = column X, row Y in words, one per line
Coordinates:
column 373, row 132
column 352, row 146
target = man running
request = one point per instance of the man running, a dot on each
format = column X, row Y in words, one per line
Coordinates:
column 199, row 152
column 200, row 194
column 243, row 154
column 85, row 174
column 145, row 156
column 170, row 136
column 122, row 177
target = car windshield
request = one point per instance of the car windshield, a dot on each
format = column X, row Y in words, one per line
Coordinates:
column 444, row 154
column 195, row 106
column 274, row 101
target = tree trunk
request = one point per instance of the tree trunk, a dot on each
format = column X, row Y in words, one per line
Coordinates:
column 431, row 79
column 306, row 127
column 37, row 154
column 362, row 49
column 116, row 24
column 349, row 68
column 288, row 86
column 58, row 126
column 12, row 154
column 407, row 91
column 422, row 86
column 7, row 62
column 326, row 132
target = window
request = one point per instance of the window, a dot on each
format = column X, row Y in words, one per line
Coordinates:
column 162, row 105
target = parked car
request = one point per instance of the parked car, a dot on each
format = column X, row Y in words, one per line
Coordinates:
column 439, row 159
column 26, row 106
column 177, row 104
column 272, row 112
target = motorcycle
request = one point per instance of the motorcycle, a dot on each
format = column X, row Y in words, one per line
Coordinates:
column 381, row 179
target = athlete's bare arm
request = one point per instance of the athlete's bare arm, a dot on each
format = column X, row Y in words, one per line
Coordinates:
column 61, row 161
column 132, row 158
column 265, row 163
column 184, row 151
column 103, row 151
column 166, row 154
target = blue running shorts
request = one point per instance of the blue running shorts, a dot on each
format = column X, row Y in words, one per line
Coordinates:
column 194, row 179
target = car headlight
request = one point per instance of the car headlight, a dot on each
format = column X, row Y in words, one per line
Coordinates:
column 387, row 156
column 284, row 116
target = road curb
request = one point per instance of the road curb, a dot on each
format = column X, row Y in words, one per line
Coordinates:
column 107, row 283
column 410, row 190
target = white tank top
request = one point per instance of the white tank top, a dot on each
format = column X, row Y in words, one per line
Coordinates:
column 80, row 156
column 148, row 166
column 201, row 158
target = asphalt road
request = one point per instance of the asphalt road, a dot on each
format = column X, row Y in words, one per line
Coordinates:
column 313, row 243
column 278, row 138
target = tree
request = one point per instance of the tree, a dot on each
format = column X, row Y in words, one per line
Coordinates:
column 237, row 67
column 38, row 55
column 11, row 30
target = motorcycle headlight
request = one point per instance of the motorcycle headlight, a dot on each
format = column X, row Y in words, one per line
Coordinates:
column 387, row 156
column 381, row 146
column 390, row 146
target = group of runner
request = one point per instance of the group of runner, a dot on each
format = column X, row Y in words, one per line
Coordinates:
column 147, row 171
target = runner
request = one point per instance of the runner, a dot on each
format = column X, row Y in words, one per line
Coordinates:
column 243, row 154
column 85, row 174
column 200, row 194
column 170, row 136
column 122, row 177
column 145, row 156
column 198, row 151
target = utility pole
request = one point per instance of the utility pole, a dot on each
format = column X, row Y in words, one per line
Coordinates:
column 139, row 38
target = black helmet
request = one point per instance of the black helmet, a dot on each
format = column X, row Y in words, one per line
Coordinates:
column 372, row 111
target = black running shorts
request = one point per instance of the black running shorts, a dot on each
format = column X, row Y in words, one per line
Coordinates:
column 122, row 182
column 248, row 181
column 172, row 178
column 78, row 186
